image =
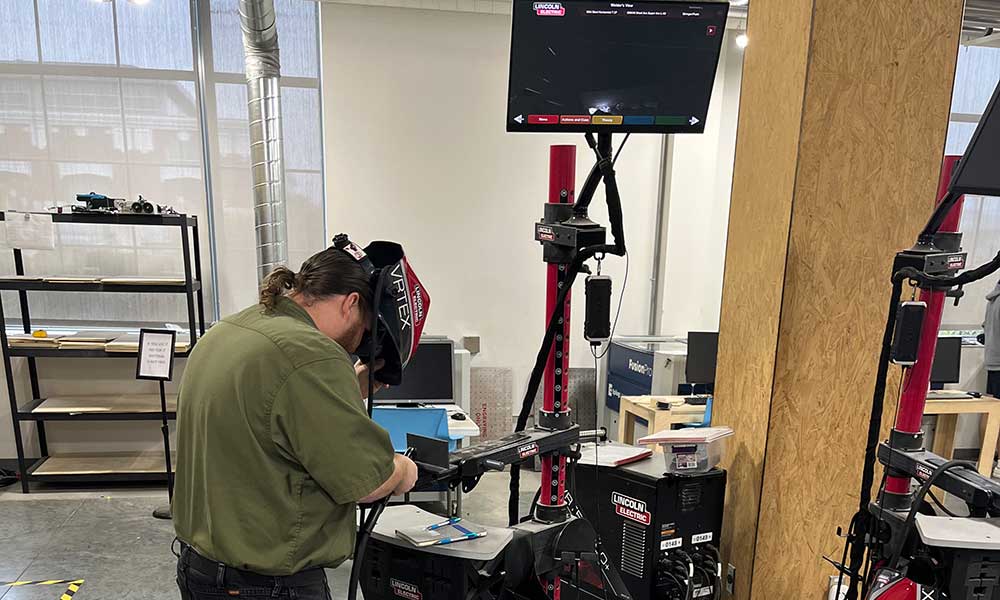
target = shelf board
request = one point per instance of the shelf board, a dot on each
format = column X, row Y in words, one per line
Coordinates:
column 67, row 353
column 149, row 288
column 139, row 407
column 126, row 464
column 119, row 219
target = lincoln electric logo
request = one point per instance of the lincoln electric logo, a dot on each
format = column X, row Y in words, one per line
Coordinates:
column 640, row 368
column 527, row 450
column 405, row 590
column 631, row 509
column 549, row 9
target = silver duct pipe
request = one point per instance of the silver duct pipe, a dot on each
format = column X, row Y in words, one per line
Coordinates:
column 260, row 42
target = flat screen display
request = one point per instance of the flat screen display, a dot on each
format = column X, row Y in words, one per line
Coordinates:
column 428, row 378
column 703, row 350
column 947, row 367
column 977, row 172
column 605, row 65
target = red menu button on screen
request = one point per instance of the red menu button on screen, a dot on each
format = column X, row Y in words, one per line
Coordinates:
column 575, row 120
column 543, row 119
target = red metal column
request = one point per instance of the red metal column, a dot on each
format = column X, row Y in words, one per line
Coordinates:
column 918, row 377
column 562, row 175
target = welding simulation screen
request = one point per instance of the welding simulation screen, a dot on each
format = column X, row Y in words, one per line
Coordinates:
column 640, row 67
column 427, row 378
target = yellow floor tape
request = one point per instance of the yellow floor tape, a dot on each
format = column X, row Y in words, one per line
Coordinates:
column 73, row 585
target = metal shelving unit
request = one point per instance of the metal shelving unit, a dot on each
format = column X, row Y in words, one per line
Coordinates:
column 113, row 467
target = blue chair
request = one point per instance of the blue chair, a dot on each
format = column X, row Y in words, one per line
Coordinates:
column 428, row 422
column 707, row 421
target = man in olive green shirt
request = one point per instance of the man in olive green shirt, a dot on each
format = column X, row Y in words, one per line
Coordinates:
column 275, row 447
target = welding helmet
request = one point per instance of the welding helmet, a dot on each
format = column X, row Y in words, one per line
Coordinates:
column 399, row 306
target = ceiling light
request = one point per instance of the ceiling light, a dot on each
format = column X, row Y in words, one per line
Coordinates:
column 742, row 40
column 139, row 2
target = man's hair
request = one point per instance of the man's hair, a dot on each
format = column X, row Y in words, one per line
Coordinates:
column 327, row 273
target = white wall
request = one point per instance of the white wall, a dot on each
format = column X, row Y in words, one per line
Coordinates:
column 701, row 178
column 414, row 105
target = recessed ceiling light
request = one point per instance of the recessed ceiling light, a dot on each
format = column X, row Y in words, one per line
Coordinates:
column 742, row 40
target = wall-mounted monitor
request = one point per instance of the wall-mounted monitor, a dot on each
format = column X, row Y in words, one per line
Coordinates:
column 613, row 66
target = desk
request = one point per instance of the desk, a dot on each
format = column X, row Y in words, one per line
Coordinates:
column 462, row 429
column 947, row 412
column 644, row 407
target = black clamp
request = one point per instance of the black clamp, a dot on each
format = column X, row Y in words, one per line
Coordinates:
column 907, row 442
column 551, row 513
column 555, row 421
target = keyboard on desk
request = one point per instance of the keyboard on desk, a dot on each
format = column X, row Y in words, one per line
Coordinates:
column 948, row 395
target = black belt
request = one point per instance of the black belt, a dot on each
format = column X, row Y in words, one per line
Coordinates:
column 226, row 575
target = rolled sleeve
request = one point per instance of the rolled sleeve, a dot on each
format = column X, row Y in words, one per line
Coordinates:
column 318, row 419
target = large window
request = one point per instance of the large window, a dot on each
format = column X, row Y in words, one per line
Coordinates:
column 107, row 96
column 975, row 79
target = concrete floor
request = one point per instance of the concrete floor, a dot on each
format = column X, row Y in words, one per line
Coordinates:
column 109, row 539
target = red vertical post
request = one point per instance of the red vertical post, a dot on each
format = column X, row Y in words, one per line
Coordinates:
column 562, row 190
column 917, row 380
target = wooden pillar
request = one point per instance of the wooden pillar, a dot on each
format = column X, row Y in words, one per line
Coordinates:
column 842, row 125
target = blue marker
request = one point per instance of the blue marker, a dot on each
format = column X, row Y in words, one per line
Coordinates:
column 450, row 521
column 468, row 536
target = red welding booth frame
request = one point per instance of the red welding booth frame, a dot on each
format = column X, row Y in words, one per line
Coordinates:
column 918, row 377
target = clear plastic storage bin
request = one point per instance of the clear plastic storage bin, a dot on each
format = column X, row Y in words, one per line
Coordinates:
column 692, row 458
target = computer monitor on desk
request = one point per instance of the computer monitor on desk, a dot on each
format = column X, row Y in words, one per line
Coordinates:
column 947, row 366
column 702, row 352
column 427, row 379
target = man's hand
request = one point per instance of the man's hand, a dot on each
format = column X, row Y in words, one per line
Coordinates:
column 404, row 475
column 361, row 370
column 408, row 474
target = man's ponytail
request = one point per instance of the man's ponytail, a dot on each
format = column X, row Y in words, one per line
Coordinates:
column 275, row 285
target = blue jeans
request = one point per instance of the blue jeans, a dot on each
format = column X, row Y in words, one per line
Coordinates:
column 200, row 578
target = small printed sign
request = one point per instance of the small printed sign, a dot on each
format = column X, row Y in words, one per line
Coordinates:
column 671, row 544
column 701, row 538
column 156, row 354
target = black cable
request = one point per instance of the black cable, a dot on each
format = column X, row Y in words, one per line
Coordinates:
column 944, row 508
column 613, row 199
column 367, row 524
column 862, row 520
column 620, row 146
column 911, row 517
column 7, row 478
column 597, row 442
column 618, row 312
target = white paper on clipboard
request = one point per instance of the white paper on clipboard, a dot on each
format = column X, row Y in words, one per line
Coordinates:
column 31, row 231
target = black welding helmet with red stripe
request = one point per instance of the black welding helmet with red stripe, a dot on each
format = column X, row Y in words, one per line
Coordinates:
column 399, row 306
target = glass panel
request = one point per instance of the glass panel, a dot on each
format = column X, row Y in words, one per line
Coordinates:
column 77, row 31
column 975, row 77
column 304, row 197
column 20, row 42
column 227, row 38
column 959, row 136
column 85, row 119
column 161, row 119
column 155, row 34
column 22, row 117
column 981, row 239
column 296, row 37
column 25, row 185
column 234, row 132
column 300, row 114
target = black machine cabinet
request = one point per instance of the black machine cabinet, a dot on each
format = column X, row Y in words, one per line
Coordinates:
column 647, row 520
column 391, row 572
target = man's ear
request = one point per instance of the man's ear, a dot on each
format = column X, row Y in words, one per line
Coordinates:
column 353, row 300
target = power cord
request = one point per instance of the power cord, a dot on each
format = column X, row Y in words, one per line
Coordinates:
column 7, row 478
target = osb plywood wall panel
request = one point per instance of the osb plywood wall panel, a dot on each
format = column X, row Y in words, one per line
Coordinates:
column 876, row 108
column 767, row 142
